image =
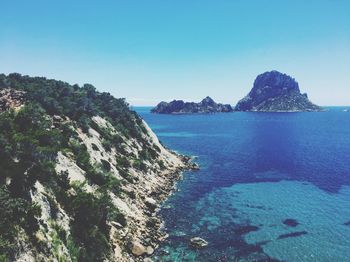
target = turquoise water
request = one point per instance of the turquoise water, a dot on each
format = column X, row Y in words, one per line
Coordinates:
column 272, row 186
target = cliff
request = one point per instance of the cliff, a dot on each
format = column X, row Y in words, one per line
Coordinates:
column 207, row 105
column 81, row 175
column 276, row 92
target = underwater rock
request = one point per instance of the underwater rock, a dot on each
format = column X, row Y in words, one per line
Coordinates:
column 290, row 222
column 294, row 234
column 242, row 230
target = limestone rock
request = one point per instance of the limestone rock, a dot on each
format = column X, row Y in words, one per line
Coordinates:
column 149, row 250
column 151, row 203
column 138, row 249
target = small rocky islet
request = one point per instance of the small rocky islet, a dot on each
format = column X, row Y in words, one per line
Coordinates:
column 207, row 105
column 276, row 92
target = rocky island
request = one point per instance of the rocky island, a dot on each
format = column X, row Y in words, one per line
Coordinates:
column 207, row 105
column 276, row 92
column 81, row 175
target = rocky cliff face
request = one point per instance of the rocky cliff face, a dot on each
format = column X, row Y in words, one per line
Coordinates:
column 81, row 176
column 274, row 91
column 207, row 105
column 10, row 99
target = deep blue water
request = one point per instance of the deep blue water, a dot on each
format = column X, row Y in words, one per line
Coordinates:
column 257, row 171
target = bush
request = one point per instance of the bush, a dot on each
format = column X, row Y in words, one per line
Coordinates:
column 119, row 217
column 140, row 165
column 15, row 213
column 89, row 225
column 123, row 162
column 106, row 166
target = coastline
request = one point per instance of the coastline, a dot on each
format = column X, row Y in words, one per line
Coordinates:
column 144, row 233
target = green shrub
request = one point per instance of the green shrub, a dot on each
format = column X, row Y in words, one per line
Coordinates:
column 140, row 165
column 118, row 216
column 106, row 166
column 89, row 226
column 123, row 162
column 106, row 145
column 15, row 213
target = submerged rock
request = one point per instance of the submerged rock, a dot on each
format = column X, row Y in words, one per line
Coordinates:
column 293, row 234
column 276, row 92
column 198, row 242
column 207, row 105
column 347, row 223
column 290, row 222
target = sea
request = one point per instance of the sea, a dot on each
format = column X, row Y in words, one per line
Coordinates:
column 271, row 186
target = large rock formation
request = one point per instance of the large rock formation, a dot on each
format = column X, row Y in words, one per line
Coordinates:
column 276, row 92
column 207, row 105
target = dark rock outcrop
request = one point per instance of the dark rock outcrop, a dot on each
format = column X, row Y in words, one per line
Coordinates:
column 276, row 92
column 207, row 105
column 11, row 98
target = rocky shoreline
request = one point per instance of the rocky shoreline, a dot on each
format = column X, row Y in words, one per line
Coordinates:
column 141, row 202
column 139, row 231
column 153, row 230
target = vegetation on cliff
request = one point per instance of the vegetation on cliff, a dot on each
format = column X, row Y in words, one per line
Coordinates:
column 46, row 214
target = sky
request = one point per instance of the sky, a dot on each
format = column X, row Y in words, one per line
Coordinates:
column 152, row 50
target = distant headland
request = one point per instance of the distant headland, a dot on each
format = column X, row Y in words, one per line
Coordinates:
column 207, row 105
column 276, row 92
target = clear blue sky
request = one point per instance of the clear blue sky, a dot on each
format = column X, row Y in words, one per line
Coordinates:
column 152, row 50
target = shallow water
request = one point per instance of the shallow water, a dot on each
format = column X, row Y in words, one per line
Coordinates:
column 257, row 171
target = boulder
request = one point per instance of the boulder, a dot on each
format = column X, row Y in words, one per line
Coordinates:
column 198, row 242
column 149, row 250
column 138, row 249
column 151, row 203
